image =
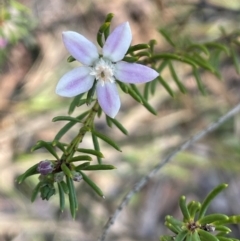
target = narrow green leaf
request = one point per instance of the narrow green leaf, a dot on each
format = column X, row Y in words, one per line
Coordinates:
column 189, row 237
column 222, row 228
column 106, row 33
column 166, row 35
column 80, row 158
column 81, row 102
column 235, row 59
column 65, row 118
column 173, row 228
column 70, row 59
column 174, row 221
column 106, row 139
column 201, row 47
column 153, row 86
column 144, row 102
column 118, row 125
column 195, row 236
column 131, row 59
column 221, row 238
column 204, row 235
column 47, row 145
column 98, row 167
column 149, row 107
column 66, row 170
column 59, row 145
column 209, row 198
column 222, row 234
column 175, row 78
column 90, row 151
column 137, row 47
column 165, row 85
column 166, row 238
column 169, row 56
column 193, row 208
column 218, row 46
column 64, row 187
column 91, row 93
column 199, row 81
column 35, row 192
column 108, row 120
column 100, row 33
column 96, row 147
column 74, row 103
column 68, row 126
column 99, row 112
column 184, row 209
column 143, row 54
column 61, row 197
column 123, row 87
column 212, row 218
column 234, row 239
column 163, row 64
column 29, row 172
column 152, row 43
column 72, row 197
column 80, row 167
column 202, row 62
column 63, row 131
column 50, row 148
column 181, row 236
column 134, row 95
column 190, row 205
column 108, row 19
column 92, row 184
column 146, row 90
column 214, row 59
column 234, row 219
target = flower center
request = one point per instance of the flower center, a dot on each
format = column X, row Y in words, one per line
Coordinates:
column 103, row 70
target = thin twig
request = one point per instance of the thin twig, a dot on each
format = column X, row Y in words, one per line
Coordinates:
column 143, row 181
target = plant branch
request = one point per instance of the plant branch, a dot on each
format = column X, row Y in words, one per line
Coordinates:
column 144, row 180
column 88, row 123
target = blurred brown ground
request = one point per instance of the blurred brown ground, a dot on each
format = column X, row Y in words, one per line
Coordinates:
column 28, row 103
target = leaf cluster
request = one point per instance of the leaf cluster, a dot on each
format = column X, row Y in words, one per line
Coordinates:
column 196, row 225
column 206, row 56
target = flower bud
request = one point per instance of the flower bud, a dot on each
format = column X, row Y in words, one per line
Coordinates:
column 45, row 167
column 47, row 190
column 58, row 177
column 77, row 177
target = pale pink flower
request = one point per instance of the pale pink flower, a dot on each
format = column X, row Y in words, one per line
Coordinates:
column 105, row 68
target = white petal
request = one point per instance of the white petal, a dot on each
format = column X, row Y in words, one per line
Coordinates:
column 75, row 82
column 80, row 48
column 118, row 42
column 108, row 98
column 134, row 73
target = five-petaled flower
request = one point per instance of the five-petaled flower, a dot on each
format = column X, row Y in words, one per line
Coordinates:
column 105, row 69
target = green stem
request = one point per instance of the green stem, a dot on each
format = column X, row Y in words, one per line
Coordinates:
column 87, row 126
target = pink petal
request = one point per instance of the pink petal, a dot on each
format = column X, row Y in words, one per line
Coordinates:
column 134, row 73
column 80, row 48
column 118, row 43
column 75, row 82
column 108, row 98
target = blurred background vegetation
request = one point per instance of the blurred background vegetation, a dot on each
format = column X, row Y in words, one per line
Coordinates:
column 33, row 58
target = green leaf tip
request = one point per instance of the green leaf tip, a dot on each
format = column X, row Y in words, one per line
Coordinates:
column 70, row 59
column 210, row 197
column 184, row 209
